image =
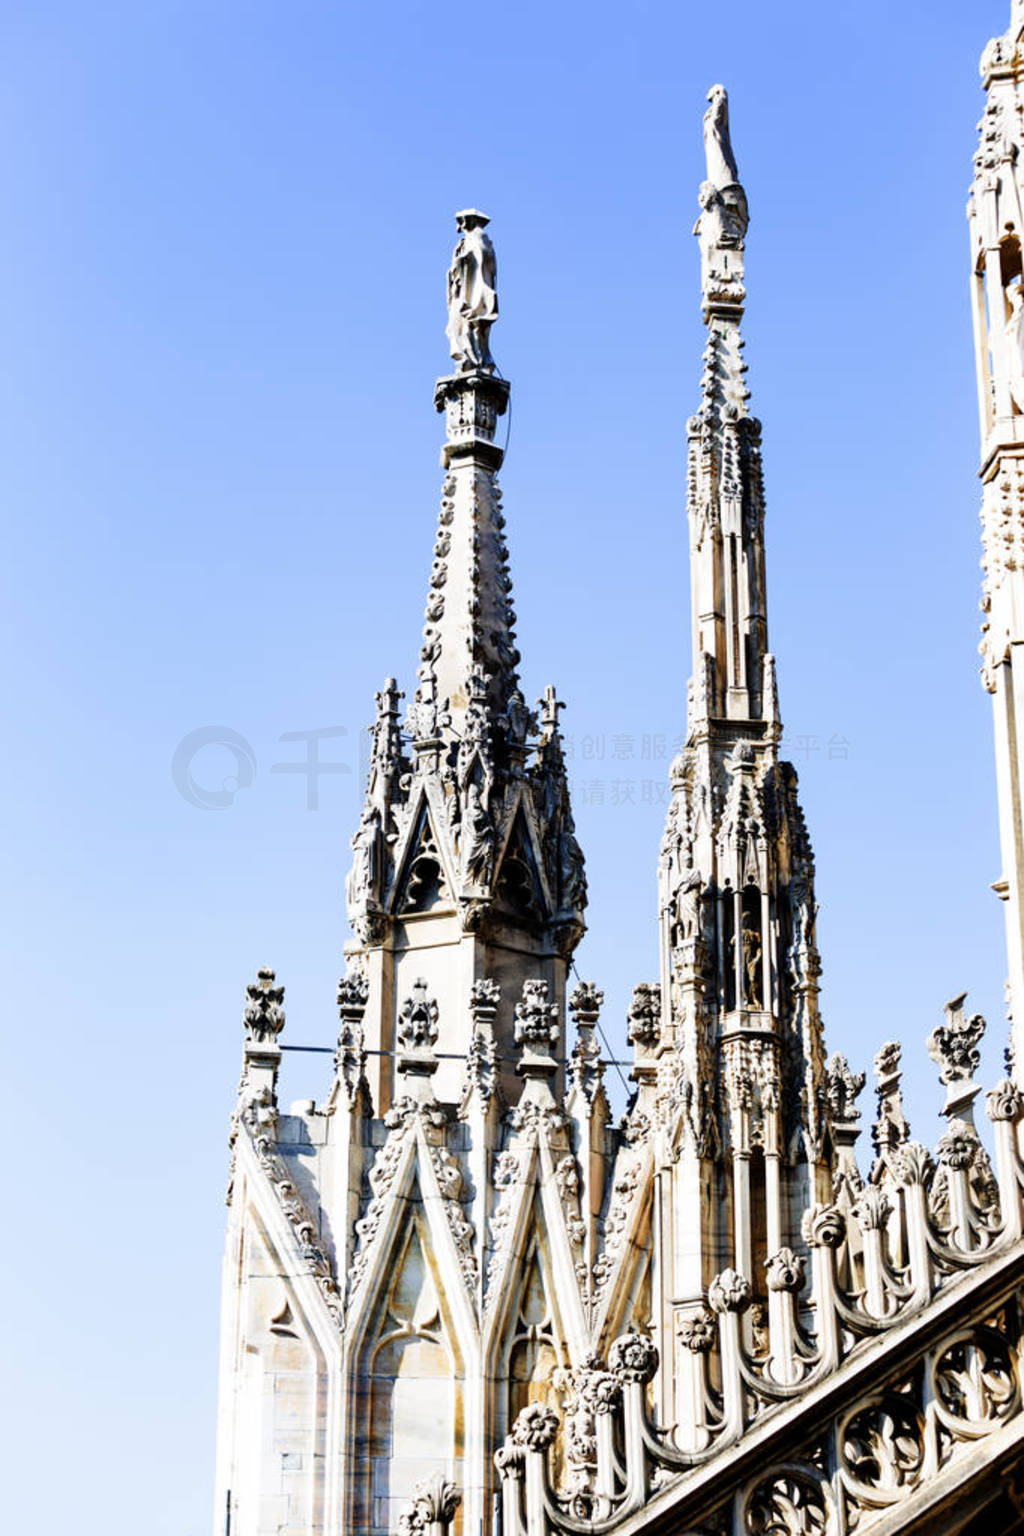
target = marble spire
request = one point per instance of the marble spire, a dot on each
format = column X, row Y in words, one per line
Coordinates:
column 997, row 290
column 467, row 835
column 740, row 1022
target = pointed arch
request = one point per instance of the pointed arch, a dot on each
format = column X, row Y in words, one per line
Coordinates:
column 424, row 878
column 519, row 879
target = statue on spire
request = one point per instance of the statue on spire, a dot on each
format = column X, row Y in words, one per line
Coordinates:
column 472, row 294
column 722, row 225
column 721, row 161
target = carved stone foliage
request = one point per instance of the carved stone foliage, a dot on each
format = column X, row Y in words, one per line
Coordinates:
column 593, row 1392
column 586, row 1067
column 535, row 1428
column 633, row 1357
column 417, row 1019
column 698, row 1333
column 350, row 1057
column 786, row 1504
column 259, row 1120
column 507, row 1171
column 449, row 1179
column 585, row 1003
column 264, row 1008
column 729, row 1292
column 482, row 1068
column 842, row 1085
column 536, row 1025
column 975, row 1380
column 645, row 1015
column 785, row 1270
column 823, row 1226
column 954, row 1045
column 625, row 1187
column 882, row 1446
column 434, row 1503
column 890, row 1129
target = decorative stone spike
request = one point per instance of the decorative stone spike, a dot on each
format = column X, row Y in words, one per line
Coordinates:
column 953, row 1046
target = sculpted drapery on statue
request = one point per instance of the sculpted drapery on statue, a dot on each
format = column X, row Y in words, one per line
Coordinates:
column 721, row 161
column 472, row 294
column 722, row 225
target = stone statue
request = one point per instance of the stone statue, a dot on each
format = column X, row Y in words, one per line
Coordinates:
column 721, row 161
column 479, row 836
column 722, row 225
column 1014, row 331
column 752, row 964
column 472, row 296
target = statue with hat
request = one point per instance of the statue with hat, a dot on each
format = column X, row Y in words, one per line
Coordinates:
column 472, row 294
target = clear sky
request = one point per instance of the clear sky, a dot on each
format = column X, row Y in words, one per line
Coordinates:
column 225, row 233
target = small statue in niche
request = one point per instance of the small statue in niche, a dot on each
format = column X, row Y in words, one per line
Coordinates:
column 1014, row 333
column 472, row 294
column 688, row 905
column 363, row 877
column 479, row 834
column 752, row 965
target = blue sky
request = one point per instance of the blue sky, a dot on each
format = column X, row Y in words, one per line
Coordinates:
column 225, row 232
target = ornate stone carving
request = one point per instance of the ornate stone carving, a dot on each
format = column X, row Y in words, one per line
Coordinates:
column 698, row 1333
column 975, row 1378
column 953, row 1046
column 958, row 1146
column 890, row 1129
column 882, row 1446
column 260, row 1121
column 785, row 1271
column 482, row 1066
column 449, row 1179
column 873, row 1208
column 350, row 1057
column 586, row 1066
column 645, row 1015
column 417, row 1019
column 535, row 1428
column 536, row 1023
column 729, row 1292
column 823, row 1226
column 624, row 1189
column 842, row 1087
column 433, row 1505
column 784, row 1504
column 585, row 1003
column 1005, row 1101
column 912, row 1163
column 264, row 1008
column 633, row 1357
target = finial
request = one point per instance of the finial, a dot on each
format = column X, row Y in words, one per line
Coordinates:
column 472, row 294
column 953, row 1047
column 264, row 1021
column 550, row 704
column 264, row 1009
column 417, row 1033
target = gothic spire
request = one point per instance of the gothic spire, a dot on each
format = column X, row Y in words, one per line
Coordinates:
column 732, row 668
column 997, row 259
column 467, row 817
column 468, row 659
column 739, row 963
